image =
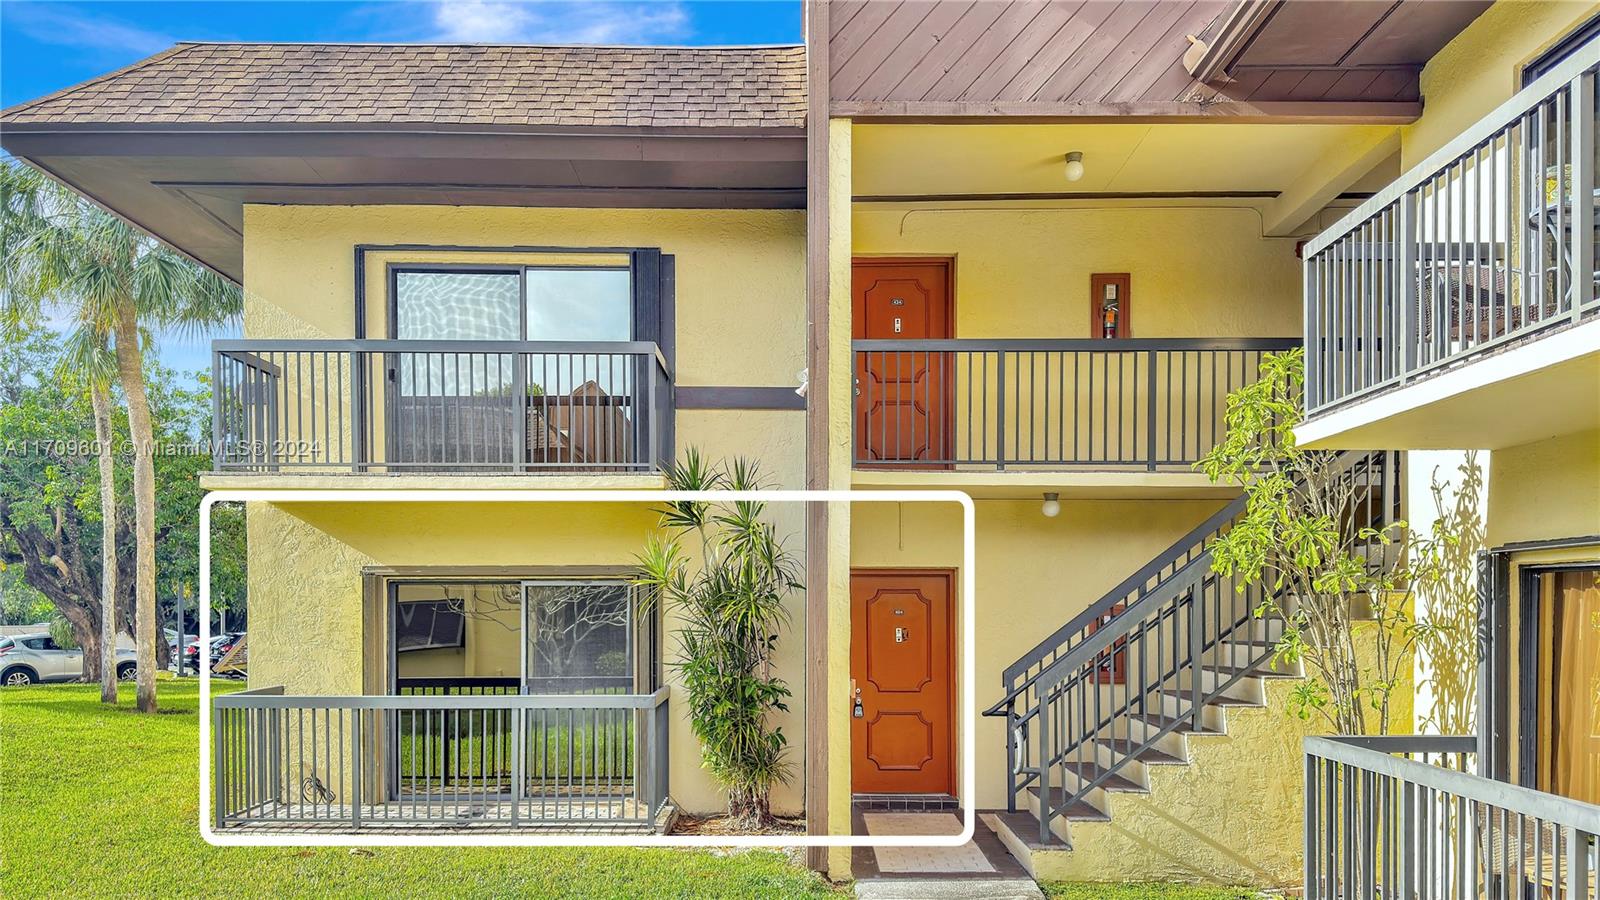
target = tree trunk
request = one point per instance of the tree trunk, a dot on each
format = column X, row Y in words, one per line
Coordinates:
column 100, row 394
column 130, row 369
column 81, row 618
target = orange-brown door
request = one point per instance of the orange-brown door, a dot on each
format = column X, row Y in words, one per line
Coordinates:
column 903, row 693
column 902, row 408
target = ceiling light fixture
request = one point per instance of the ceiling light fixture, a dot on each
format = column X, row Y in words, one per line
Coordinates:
column 1052, row 505
column 1074, row 165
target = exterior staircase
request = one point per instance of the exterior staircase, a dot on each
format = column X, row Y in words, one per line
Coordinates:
column 1124, row 698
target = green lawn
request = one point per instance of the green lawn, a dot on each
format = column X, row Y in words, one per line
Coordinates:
column 96, row 802
column 1145, row 892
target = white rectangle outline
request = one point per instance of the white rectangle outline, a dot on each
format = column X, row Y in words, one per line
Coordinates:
column 969, row 718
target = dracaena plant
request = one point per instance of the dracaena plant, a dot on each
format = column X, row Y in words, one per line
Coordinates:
column 724, row 572
column 1341, row 580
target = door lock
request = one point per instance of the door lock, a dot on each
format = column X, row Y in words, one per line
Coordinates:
column 901, row 635
column 856, row 711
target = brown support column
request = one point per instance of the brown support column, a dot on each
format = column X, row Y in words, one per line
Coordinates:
column 816, row 691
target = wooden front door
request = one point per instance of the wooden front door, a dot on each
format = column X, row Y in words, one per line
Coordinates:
column 902, row 734
column 902, row 404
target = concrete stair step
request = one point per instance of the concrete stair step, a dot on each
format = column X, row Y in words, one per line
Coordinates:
column 1223, row 700
column 1150, row 756
column 1077, row 812
column 1230, row 671
column 1087, row 771
column 1185, row 725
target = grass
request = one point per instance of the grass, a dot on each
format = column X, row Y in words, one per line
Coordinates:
column 98, row 802
column 1085, row 891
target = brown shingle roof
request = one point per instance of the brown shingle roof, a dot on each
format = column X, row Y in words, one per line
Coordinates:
column 464, row 84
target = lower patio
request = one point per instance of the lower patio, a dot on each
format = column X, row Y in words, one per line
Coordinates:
column 467, row 757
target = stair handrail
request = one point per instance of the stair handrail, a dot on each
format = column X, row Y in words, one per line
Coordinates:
column 1097, row 612
column 1078, row 661
column 1106, row 635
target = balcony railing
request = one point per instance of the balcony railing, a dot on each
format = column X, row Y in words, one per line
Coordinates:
column 1047, row 404
column 1401, row 816
column 446, row 760
column 1488, row 242
column 440, row 406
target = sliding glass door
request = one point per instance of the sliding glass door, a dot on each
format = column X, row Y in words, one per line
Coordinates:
column 489, row 410
column 572, row 637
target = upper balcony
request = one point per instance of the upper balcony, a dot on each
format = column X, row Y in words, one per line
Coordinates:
column 1141, row 411
column 1457, row 307
column 599, row 410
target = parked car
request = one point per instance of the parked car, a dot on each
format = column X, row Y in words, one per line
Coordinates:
column 31, row 658
column 175, row 643
column 219, row 646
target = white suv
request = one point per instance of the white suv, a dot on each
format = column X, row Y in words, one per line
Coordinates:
column 30, row 658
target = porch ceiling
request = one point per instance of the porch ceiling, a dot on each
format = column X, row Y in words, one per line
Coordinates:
column 953, row 161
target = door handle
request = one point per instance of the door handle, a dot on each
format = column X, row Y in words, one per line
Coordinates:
column 901, row 635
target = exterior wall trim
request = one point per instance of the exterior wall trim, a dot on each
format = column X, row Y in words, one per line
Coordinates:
column 497, row 572
column 731, row 397
column 1354, row 112
column 817, row 747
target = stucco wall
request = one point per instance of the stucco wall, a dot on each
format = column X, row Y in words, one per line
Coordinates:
column 1482, row 66
column 740, row 320
column 1024, row 272
column 307, row 603
column 740, row 273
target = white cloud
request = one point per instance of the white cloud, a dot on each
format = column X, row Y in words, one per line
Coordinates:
column 63, row 25
column 590, row 22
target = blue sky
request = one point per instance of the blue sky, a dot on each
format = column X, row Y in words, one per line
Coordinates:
column 45, row 46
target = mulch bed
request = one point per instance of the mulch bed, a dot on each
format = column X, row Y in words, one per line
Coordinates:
column 723, row 826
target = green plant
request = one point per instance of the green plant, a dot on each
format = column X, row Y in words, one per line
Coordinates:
column 61, row 255
column 730, row 601
column 1331, row 574
column 62, row 633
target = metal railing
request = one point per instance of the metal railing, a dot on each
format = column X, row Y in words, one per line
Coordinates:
column 1487, row 242
column 452, row 760
column 440, row 406
column 1145, row 659
column 1400, row 816
column 1074, row 403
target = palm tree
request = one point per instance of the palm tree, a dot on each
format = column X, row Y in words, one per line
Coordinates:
column 91, row 354
column 112, row 281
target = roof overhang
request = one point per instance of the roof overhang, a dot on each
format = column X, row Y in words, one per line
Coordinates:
column 187, row 184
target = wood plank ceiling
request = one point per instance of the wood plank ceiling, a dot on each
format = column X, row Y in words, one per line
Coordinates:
column 906, row 56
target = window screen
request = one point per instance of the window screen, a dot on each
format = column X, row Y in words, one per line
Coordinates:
column 582, row 640
column 458, row 306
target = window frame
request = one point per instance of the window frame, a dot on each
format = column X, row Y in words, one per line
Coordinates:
column 1558, row 52
column 1531, row 651
column 643, row 638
